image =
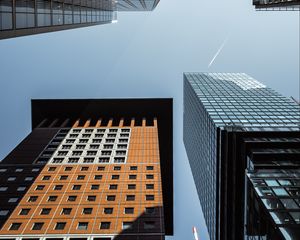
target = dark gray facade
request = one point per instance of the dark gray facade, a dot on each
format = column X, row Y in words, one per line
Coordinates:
column 275, row 5
column 26, row 17
column 221, row 113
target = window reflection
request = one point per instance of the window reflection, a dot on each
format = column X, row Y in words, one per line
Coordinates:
column 5, row 14
column 24, row 13
column 43, row 13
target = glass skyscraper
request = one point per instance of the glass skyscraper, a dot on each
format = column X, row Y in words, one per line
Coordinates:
column 242, row 140
column 274, row 5
column 137, row 5
column 26, row 17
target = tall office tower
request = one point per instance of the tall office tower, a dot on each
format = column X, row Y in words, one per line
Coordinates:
column 274, row 5
column 242, row 140
column 137, row 5
column 26, row 17
column 91, row 170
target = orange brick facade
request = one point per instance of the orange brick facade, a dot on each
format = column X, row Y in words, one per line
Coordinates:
column 96, row 200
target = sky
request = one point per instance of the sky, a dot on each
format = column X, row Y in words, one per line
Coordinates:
column 145, row 54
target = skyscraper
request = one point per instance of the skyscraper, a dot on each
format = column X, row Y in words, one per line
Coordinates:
column 242, row 140
column 274, row 5
column 91, row 169
column 26, row 17
column 137, row 5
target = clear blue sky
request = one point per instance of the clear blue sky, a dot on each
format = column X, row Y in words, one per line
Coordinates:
column 144, row 55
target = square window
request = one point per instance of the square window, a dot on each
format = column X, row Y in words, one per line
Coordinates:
column 72, row 198
column 66, row 211
column 80, row 177
column 91, row 198
column 113, row 186
column 127, row 225
column 149, row 186
column 105, row 225
column 52, row 198
column 129, row 210
column 27, row 179
column 46, row 178
column 98, row 177
column 40, row 187
column 117, row 168
column 131, row 176
column 94, row 146
column 88, row 160
column 149, row 168
column 3, row 212
column 110, row 197
column 149, row 210
column 51, row 169
column 87, row 211
column 24, row 211
column 58, row 187
column 19, row 170
column 105, row 153
column 76, row 187
column 15, row 226
column 63, row 177
column 84, row 168
column 108, row 210
column 3, row 189
column 108, row 146
column 101, row 168
column 82, row 225
column 130, row 197
column 114, row 177
column 32, row 199
column 67, row 169
column 76, row 153
column 149, row 176
column 133, row 168
column 37, row 226
column 104, row 160
column 131, row 186
column 35, row 170
column 119, row 159
column 95, row 187
column 60, row 225
column 91, row 153
column 149, row 197
column 73, row 160
column 149, row 225
column 45, row 211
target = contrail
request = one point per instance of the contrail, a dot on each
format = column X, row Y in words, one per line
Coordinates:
column 219, row 50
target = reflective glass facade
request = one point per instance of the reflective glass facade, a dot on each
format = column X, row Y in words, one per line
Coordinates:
column 236, row 99
column 278, row 192
column 24, row 17
column 137, row 5
column 222, row 111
